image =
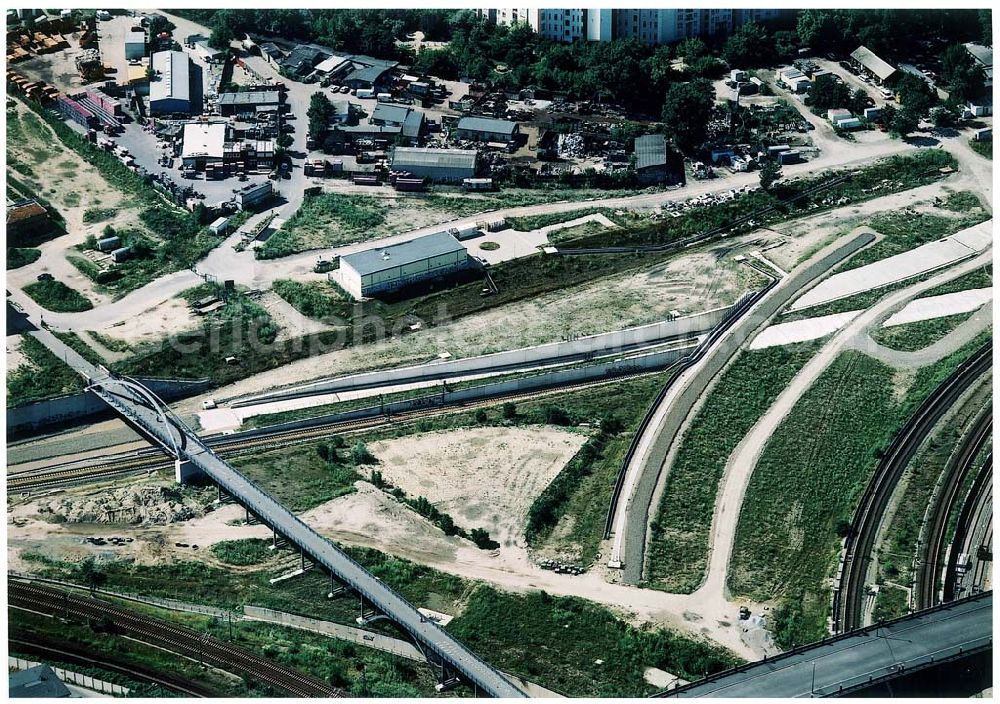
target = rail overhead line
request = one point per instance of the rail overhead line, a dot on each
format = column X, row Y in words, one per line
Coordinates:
column 154, row 420
column 931, row 555
column 185, row 641
column 978, row 506
column 849, row 593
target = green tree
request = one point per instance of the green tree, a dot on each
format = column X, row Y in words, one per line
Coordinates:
column 786, row 45
column 915, row 94
column 828, row 93
column 324, row 451
column 770, row 172
column 480, row 416
column 319, row 114
column 687, row 111
column 92, row 574
column 960, row 73
column 361, row 455
column 482, row 539
column 284, row 141
column 691, row 49
column 905, row 122
column 749, row 46
column 509, row 410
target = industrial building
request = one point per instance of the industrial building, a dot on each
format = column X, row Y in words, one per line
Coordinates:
column 204, row 144
column 253, row 195
column 409, row 121
column 869, row 63
column 390, row 268
column 250, row 101
column 135, row 44
column 436, row 164
column 170, row 87
column 652, row 160
column 983, row 56
column 26, row 220
column 487, row 129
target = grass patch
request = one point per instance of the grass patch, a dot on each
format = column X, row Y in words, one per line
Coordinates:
column 576, row 647
column 890, row 602
column 298, row 477
column 92, row 215
column 905, row 231
column 489, row 246
column 983, row 148
column 248, row 551
column 678, row 551
column 804, row 489
column 112, row 343
column 77, row 344
column 315, row 299
column 43, row 377
column 326, row 220
column 21, row 256
column 963, row 202
column 58, row 297
column 918, row 335
column 980, row 278
column 805, row 486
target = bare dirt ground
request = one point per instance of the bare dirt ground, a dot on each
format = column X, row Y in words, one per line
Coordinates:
column 15, row 357
column 483, row 477
column 156, row 324
column 40, row 161
column 290, row 321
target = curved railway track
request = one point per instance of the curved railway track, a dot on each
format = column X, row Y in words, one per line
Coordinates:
column 849, row 594
column 931, row 556
column 977, row 511
column 152, row 459
column 187, row 642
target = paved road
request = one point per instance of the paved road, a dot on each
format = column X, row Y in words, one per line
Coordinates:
column 873, row 654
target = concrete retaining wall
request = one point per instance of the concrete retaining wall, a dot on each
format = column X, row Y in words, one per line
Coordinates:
column 616, row 368
column 55, row 411
column 581, row 348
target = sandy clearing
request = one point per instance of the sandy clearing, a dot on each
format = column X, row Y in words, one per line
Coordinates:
column 290, row 321
column 940, row 306
column 483, row 477
column 744, row 458
column 15, row 357
column 802, row 330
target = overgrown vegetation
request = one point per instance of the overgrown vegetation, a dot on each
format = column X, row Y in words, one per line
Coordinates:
column 918, row 335
column 806, row 484
column 21, row 256
column 315, row 300
column 804, row 489
column 982, row 147
column 243, row 552
column 576, row 647
column 58, row 297
column 890, row 602
column 678, row 549
column 76, row 343
column 325, row 220
column 44, row 376
column 962, row 202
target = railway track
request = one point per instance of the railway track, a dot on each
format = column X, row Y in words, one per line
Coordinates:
column 850, row 591
column 184, row 641
column 931, row 555
column 152, row 459
column 977, row 512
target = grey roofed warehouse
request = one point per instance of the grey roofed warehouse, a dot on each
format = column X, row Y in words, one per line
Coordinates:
column 437, row 164
column 870, row 62
column 170, row 89
column 254, row 97
column 370, row 261
column 650, row 150
column 486, row 128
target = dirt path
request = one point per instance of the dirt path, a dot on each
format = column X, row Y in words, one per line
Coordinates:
column 744, row 458
column 966, row 331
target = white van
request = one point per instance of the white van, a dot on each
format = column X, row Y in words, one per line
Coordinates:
column 384, row 97
column 365, row 93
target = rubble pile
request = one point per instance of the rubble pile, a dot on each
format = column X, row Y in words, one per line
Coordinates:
column 572, row 145
column 140, row 505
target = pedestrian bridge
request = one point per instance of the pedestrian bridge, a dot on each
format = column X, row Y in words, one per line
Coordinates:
column 152, row 418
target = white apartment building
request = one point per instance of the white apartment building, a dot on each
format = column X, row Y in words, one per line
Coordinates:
column 657, row 26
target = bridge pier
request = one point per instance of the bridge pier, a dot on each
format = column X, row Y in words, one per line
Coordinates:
column 185, row 471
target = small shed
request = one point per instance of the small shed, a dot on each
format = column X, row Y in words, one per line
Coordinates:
column 109, row 244
column 220, row 226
